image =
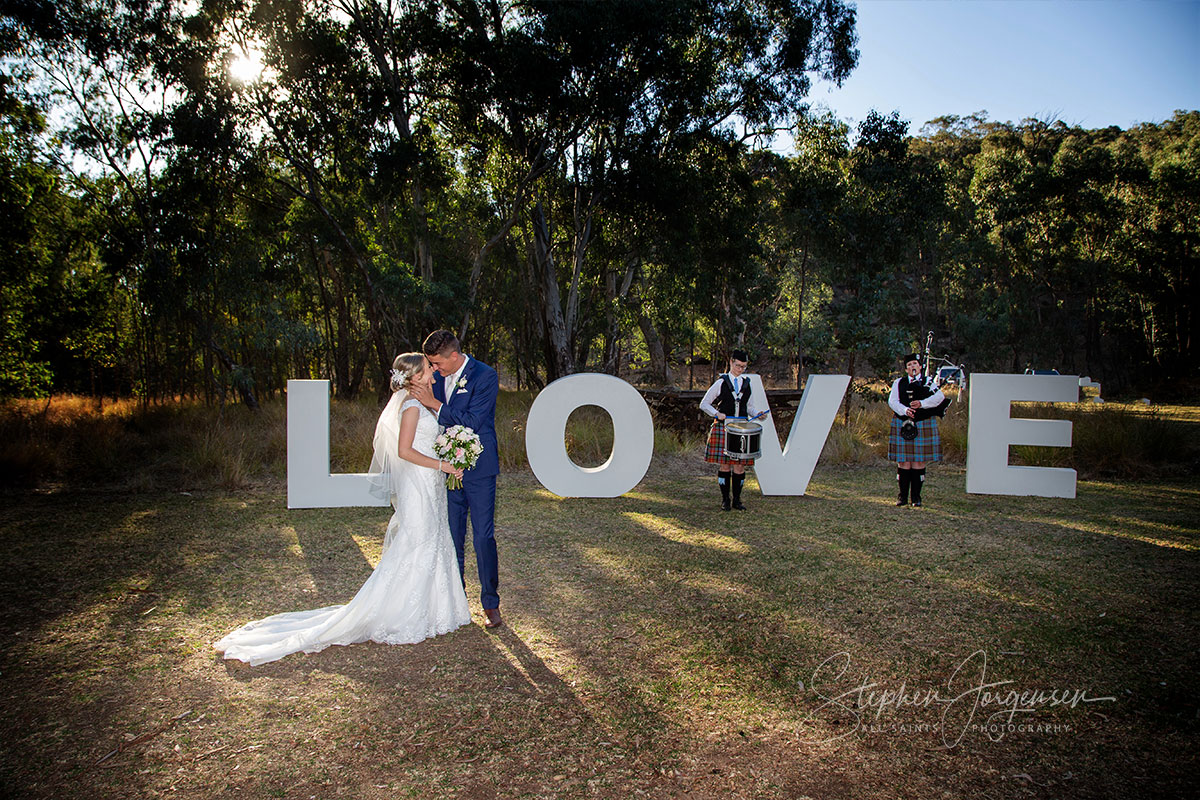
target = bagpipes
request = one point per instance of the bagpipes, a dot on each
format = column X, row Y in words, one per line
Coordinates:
column 908, row 428
column 940, row 408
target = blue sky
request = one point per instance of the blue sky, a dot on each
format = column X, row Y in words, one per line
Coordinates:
column 1093, row 63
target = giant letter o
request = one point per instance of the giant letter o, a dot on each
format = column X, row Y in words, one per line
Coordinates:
column 546, row 428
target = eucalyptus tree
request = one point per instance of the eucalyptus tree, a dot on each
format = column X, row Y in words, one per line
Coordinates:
column 1086, row 214
column 586, row 93
column 877, row 232
column 1153, row 300
column 1043, row 195
column 809, row 198
column 312, row 115
column 399, row 143
column 972, row 312
column 104, row 67
column 46, row 60
column 29, row 193
column 685, row 245
column 371, row 106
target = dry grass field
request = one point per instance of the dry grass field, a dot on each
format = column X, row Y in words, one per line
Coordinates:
column 825, row 646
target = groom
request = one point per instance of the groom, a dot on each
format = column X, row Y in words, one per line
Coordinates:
column 464, row 393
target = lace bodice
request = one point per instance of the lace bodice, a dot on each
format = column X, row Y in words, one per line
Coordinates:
column 427, row 428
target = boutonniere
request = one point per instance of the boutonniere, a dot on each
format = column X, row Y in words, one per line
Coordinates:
column 462, row 385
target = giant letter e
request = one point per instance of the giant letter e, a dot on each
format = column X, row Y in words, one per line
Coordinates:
column 992, row 429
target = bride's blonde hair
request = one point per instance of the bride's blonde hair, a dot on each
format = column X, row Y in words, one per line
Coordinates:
column 404, row 368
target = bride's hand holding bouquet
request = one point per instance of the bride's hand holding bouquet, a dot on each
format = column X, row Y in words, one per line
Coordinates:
column 458, row 446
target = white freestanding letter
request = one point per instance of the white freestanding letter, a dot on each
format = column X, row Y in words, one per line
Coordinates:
column 545, row 436
column 787, row 470
column 992, row 430
column 309, row 483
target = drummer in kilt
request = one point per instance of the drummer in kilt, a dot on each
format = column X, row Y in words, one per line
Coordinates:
column 914, row 440
column 729, row 396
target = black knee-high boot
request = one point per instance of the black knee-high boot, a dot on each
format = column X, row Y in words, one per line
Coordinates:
column 738, row 479
column 902, row 478
column 723, row 482
column 918, row 480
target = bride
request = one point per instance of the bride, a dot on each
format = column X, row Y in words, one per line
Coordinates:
column 416, row 591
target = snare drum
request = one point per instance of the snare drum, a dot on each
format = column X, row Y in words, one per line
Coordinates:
column 743, row 440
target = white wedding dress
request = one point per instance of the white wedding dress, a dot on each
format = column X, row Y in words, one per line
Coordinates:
column 415, row 592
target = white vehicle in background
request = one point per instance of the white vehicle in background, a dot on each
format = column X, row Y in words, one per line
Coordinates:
column 951, row 376
column 946, row 373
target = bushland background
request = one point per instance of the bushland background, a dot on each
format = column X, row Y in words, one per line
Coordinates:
column 205, row 200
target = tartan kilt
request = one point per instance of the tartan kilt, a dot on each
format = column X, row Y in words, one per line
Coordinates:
column 926, row 447
column 714, row 450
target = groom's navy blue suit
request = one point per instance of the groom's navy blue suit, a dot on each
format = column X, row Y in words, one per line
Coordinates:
column 473, row 404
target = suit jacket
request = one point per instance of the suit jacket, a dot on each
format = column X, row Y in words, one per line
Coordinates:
column 473, row 405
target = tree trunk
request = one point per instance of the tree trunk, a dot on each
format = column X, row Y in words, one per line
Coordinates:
column 692, row 355
column 850, row 392
column 582, row 213
column 800, row 321
column 660, row 371
column 560, row 360
column 423, row 254
column 343, row 332
column 237, row 372
column 614, row 295
column 376, row 29
column 477, row 273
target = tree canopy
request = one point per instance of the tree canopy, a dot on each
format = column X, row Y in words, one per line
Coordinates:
column 211, row 198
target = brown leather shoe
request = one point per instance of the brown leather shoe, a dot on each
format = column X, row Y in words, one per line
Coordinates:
column 493, row 618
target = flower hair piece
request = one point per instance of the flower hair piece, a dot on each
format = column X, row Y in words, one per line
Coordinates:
column 404, row 368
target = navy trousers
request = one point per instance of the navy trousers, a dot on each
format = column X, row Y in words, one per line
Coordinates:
column 477, row 500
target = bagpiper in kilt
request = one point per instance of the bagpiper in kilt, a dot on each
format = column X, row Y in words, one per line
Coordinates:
column 913, row 438
column 926, row 447
column 729, row 396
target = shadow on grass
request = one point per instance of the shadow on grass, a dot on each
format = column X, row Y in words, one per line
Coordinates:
column 655, row 645
column 119, row 609
column 761, row 598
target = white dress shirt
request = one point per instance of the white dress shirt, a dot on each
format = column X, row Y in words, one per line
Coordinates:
column 934, row 399
column 714, row 391
column 450, row 382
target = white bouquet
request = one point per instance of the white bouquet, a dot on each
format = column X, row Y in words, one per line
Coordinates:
column 459, row 446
